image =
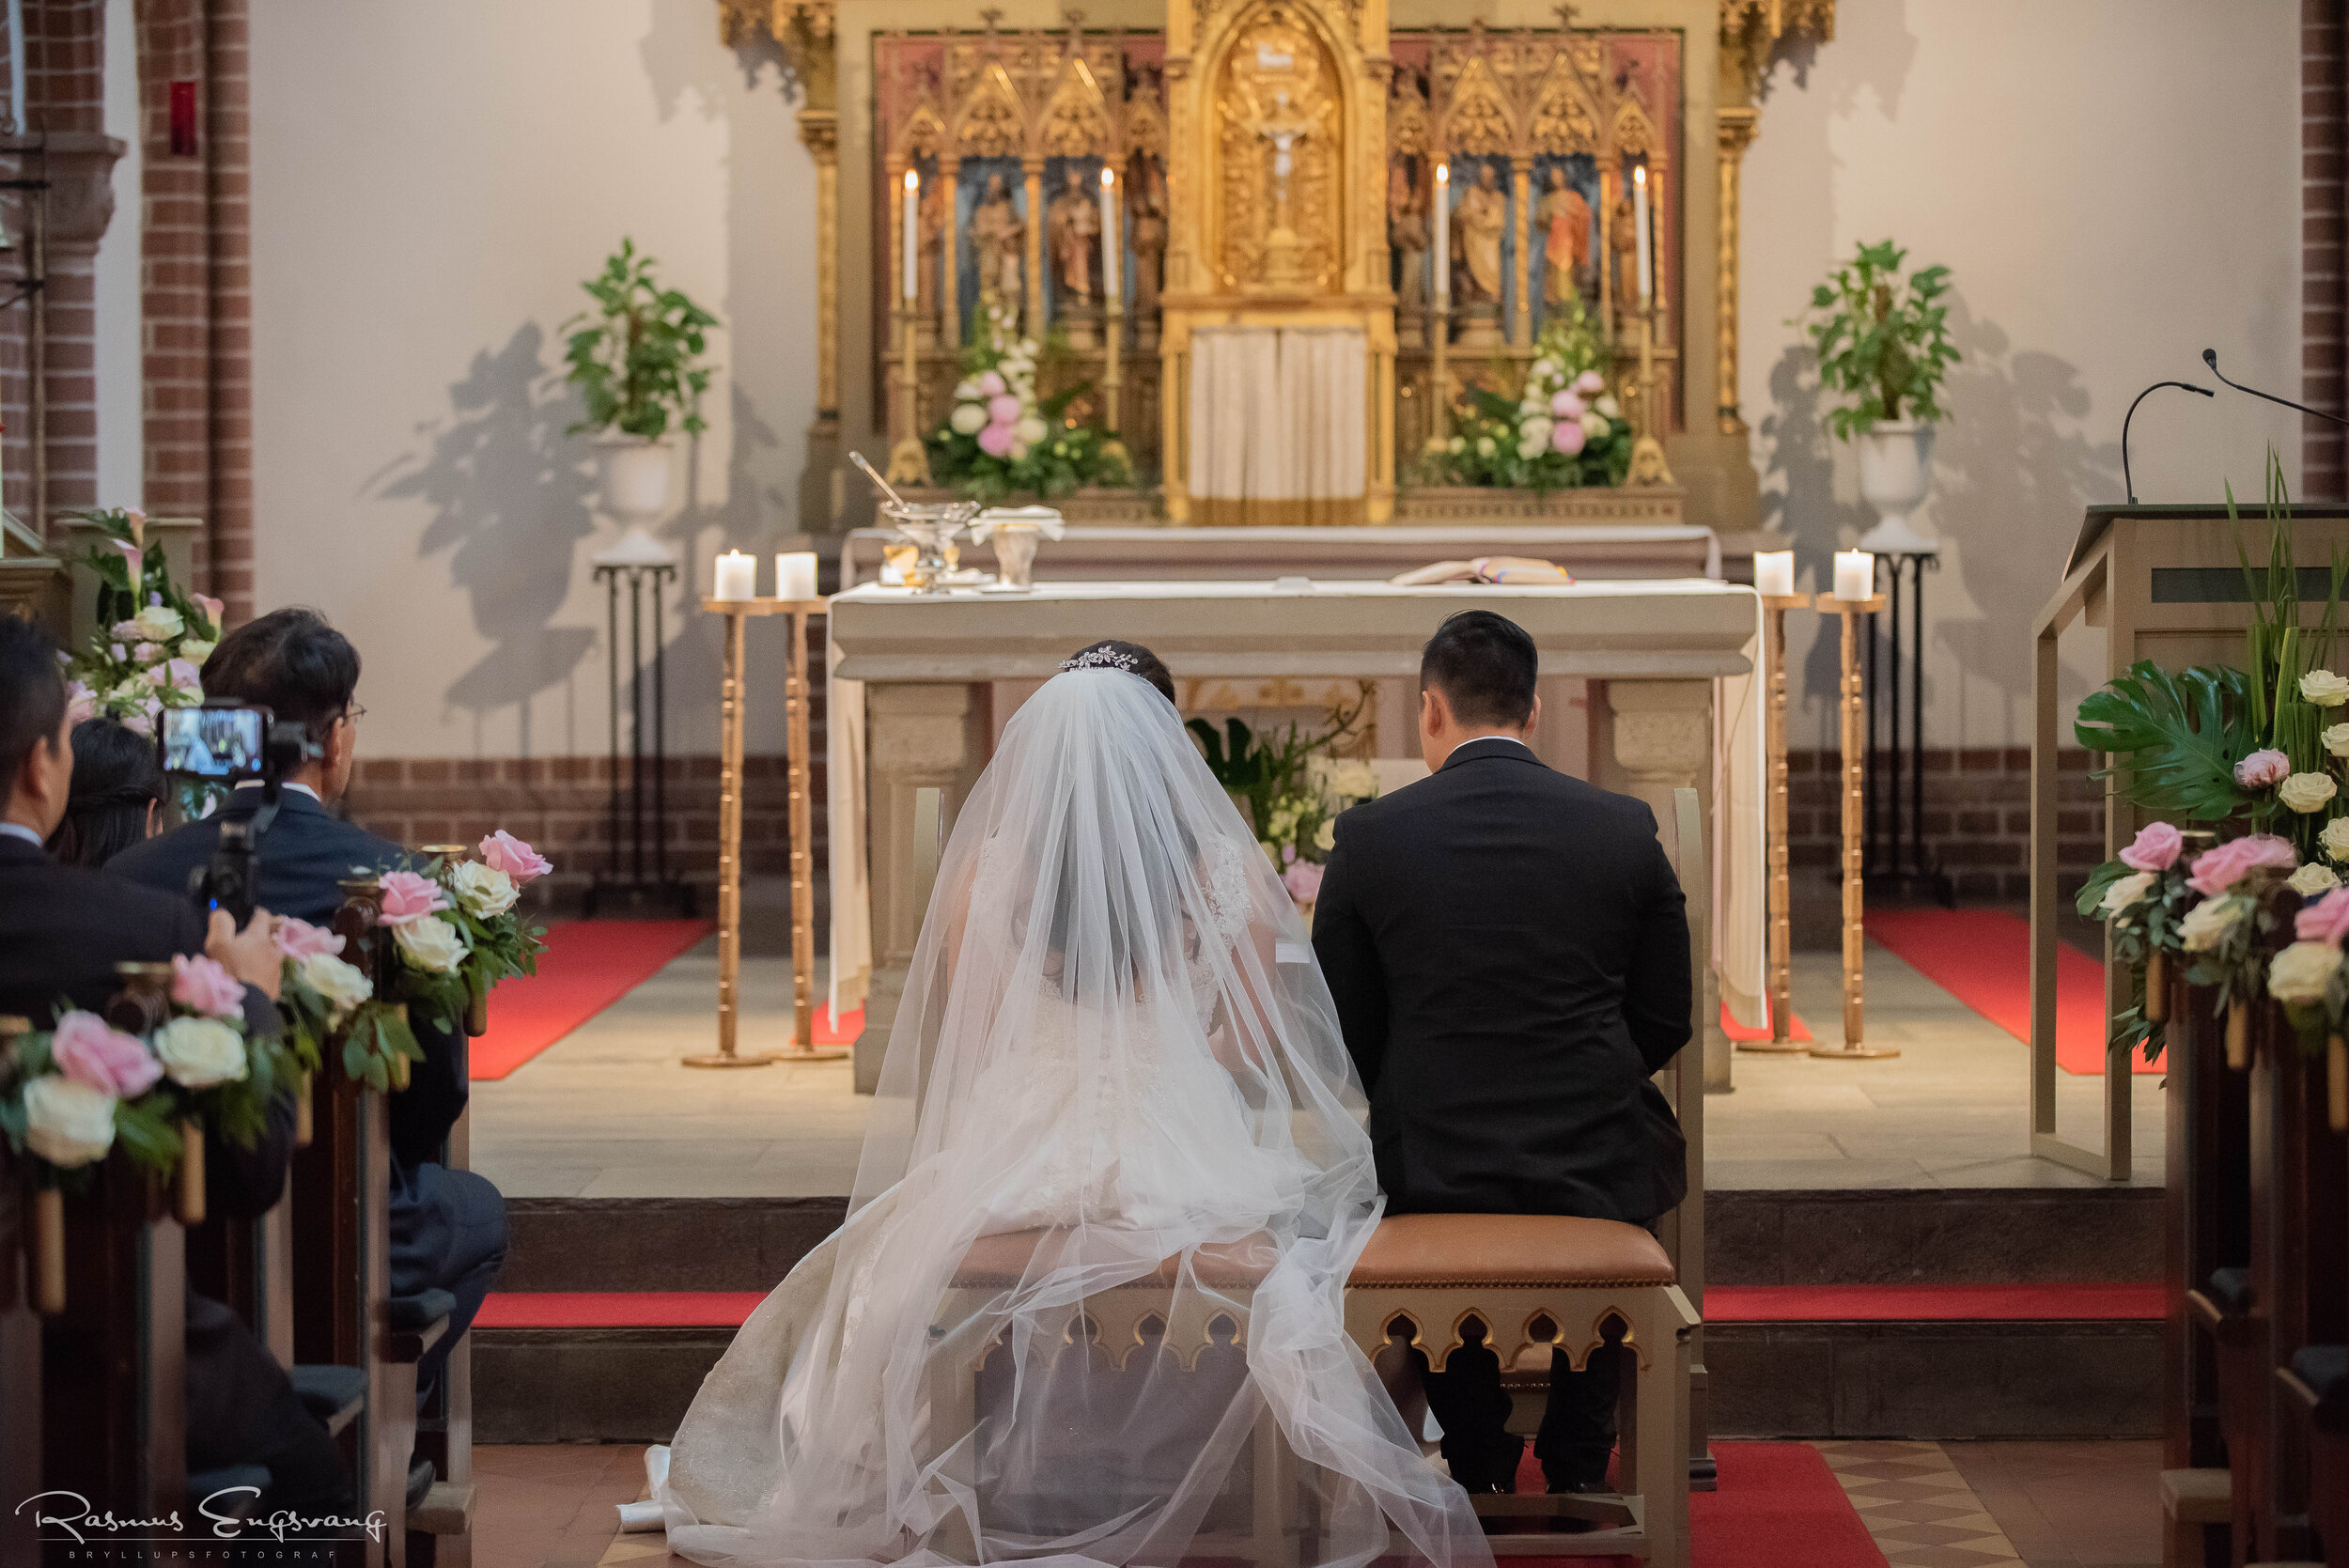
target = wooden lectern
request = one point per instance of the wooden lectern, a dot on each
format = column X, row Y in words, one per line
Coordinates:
column 2164, row 584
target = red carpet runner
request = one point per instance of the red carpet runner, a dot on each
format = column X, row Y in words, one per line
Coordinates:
column 1777, row 1506
column 588, row 965
column 1982, row 958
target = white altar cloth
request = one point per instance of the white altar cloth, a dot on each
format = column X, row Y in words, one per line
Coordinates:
column 1673, row 630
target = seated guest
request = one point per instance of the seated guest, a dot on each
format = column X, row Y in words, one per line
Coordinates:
column 1508, row 949
column 62, row 930
column 447, row 1227
column 117, row 789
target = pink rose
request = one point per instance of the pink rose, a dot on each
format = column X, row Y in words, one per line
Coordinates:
column 103, row 1058
column 2324, row 920
column 139, row 722
column 2154, row 848
column 184, row 675
column 80, row 702
column 1590, row 383
column 1568, row 438
column 503, row 851
column 2263, row 770
column 410, row 897
column 299, row 938
column 1566, row 406
column 995, row 440
column 1303, row 880
column 212, row 608
column 1003, row 409
column 201, row 983
column 147, row 652
column 992, row 383
column 2217, row 870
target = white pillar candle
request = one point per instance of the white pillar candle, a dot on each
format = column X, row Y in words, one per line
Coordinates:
column 1774, row 573
column 1854, row 574
column 1443, row 233
column 1638, row 219
column 795, row 575
column 738, row 576
column 914, row 235
column 1113, row 242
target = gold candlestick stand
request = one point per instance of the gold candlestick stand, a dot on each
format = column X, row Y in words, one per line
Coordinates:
column 909, row 461
column 1440, row 377
column 1782, row 976
column 1648, row 466
column 1854, row 737
column 731, row 716
column 1112, row 381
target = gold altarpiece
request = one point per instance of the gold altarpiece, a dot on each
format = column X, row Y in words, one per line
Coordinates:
column 1193, row 103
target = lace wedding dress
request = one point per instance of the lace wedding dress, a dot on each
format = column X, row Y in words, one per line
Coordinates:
column 1116, row 1065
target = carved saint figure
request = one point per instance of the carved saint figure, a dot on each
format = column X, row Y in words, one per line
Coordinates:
column 996, row 232
column 1146, row 207
column 1407, row 231
column 1477, row 224
column 931, row 219
column 1566, row 220
column 1623, row 238
column 1073, row 229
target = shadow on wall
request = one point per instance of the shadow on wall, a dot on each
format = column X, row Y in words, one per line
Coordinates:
column 510, row 494
column 2011, row 474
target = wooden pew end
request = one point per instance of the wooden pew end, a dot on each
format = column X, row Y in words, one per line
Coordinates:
column 446, row 1510
column 336, row 1395
column 2202, row 1496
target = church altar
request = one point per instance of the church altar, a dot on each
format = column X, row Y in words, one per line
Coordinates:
column 922, row 685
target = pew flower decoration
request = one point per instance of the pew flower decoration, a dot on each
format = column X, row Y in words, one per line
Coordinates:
column 2307, row 977
column 2244, row 885
column 1563, row 430
column 151, row 637
column 472, row 936
column 1001, row 438
column 325, row 1000
column 2140, row 896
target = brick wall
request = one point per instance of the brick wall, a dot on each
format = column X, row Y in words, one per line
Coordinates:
column 1977, row 817
column 2322, row 69
column 196, row 292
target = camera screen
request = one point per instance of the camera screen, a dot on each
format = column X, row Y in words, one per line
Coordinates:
column 213, row 742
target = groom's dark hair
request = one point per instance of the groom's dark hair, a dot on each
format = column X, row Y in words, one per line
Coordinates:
column 1484, row 665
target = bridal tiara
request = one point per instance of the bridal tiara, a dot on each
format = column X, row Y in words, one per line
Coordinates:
column 1102, row 659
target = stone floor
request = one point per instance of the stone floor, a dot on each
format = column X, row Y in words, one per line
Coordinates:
column 1948, row 1505
column 609, row 1112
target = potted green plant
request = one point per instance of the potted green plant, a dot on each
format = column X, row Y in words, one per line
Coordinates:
column 636, row 359
column 1884, row 349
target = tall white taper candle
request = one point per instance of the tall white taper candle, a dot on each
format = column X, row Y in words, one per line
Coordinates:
column 1639, row 218
column 1443, row 232
column 914, row 235
column 1113, row 242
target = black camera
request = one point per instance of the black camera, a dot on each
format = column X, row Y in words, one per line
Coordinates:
column 225, row 743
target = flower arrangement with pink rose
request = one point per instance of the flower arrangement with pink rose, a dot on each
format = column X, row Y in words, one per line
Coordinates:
column 151, row 639
column 71, row 1094
column 2141, row 895
column 1001, row 438
column 328, row 1005
column 458, row 929
column 1563, row 430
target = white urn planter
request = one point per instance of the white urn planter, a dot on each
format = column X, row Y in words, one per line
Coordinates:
column 1895, row 474
column 638, row 480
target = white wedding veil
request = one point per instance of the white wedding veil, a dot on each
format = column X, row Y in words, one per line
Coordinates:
column 1088, row 1306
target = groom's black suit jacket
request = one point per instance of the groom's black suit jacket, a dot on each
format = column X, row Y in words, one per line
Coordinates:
column 1509, row 951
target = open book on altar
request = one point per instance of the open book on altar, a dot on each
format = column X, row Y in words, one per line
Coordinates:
column 1485, row 569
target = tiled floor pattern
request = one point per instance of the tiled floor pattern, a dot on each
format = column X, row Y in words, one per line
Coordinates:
column 1918, row 1506
column 610, row 1112
column 1928, row 1505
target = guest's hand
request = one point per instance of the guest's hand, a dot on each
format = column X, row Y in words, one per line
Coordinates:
column 250, row 954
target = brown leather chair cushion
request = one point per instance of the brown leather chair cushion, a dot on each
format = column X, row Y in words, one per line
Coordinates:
column 1002, row 1261
column 1509, row 1249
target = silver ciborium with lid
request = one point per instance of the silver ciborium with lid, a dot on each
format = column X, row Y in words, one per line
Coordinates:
column 931, row 528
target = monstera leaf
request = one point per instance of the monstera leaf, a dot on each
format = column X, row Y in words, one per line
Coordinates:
column 2174, row 739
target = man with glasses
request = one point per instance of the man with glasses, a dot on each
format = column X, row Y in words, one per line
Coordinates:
column 447, row 1227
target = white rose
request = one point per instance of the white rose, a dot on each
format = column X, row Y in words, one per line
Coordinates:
column 2337, row 741
column 2301, row 972
column 195, row 650
column 431, row 944
column 160, row 623
column 2306, row 792
column 200, row 1053
column 2311, row 880
column 1529, row 450
column 1609, row 407
column 1485, row 447
column 1545, row 366
column 68, row 1124
column 1030, row 429
column 484, row 890
column 968, row 419
column 2128, row 890
column 2325, row 688
column 1595, row 425
column 1536, row 429
column 1015, row 451
column 966, row 390
column 1326, row 836
column 2207, row 924
column 343, row 987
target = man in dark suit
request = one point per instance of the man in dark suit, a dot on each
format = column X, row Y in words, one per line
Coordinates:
column 447, row 1227
column 1509, row 953
column 62, row 930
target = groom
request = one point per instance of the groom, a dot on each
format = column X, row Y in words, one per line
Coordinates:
column 1509, row 953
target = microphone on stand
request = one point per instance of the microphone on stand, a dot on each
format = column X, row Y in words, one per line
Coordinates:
column 2210, row 357
column 2126, row 482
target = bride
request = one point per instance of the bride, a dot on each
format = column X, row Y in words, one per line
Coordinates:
column 1115, row 1068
